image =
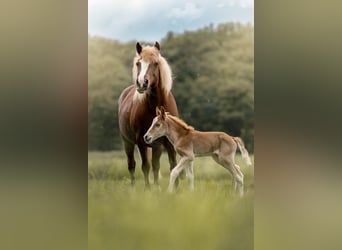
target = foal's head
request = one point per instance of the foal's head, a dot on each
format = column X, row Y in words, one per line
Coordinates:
column 146, row 69
column 158, row 127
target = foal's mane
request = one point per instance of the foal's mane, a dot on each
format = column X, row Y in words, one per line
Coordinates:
column 179, row 122
column 151, row 54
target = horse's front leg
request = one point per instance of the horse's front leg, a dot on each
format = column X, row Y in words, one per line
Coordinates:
column 172, row 158
column 145, row 164
column 182, row 164
column 156, row 153
column 129, row 150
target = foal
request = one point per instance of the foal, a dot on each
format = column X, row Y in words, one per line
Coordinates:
column 190, row 143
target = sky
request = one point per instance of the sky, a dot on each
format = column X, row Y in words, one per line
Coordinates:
column 150, row 20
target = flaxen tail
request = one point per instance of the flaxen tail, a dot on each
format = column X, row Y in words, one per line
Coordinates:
column 243, row 150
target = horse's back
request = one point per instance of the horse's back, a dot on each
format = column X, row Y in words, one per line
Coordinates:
column 208, row 142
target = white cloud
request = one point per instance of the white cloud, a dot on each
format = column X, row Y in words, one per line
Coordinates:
column 152, row 19
column 189, row 11
column 236, row 3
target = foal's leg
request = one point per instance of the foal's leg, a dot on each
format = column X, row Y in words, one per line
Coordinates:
column 240, row 183
column 129, row 150
column 190, row 175
column 172, row 156
column 145, row 164
column 156, row 153
column 220, row 161
column 238, row 170
column 176, row 171
column 237, row 176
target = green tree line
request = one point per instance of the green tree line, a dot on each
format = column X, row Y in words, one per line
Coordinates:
column 213, row 70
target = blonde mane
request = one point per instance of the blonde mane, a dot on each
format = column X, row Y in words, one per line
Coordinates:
column 180, row 122
column 151, row 54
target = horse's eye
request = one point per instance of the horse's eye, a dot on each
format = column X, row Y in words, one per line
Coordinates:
column 157, row 125
column 138, row 64
column 156, row 64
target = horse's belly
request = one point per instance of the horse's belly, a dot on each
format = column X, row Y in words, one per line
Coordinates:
column 204, row 145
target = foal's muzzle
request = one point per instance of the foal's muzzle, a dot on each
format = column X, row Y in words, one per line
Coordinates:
column 148, row 139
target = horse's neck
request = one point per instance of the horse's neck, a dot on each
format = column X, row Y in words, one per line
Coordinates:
column 157, row 97
column 175, row 131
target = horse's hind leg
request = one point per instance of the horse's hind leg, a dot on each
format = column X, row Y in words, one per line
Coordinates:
column 145, row 164
column 190, row 175
column 129, row 150
column 237, row 176
column 221, row 162
column 238, row 170
column 240, row 183
column 156, row 153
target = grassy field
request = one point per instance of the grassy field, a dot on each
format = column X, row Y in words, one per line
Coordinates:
column 124, row 217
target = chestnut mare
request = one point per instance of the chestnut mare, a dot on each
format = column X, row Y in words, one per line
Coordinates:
column 137, row 104
column 190, row 143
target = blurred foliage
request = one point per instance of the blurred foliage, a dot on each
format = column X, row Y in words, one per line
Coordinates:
column 213, row 71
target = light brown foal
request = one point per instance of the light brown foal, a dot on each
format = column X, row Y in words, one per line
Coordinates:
column 190, row 143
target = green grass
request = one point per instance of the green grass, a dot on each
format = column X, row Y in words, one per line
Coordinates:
column 124, row 217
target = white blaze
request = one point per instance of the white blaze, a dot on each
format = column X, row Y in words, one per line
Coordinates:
column 155, row 119
column 144, row 67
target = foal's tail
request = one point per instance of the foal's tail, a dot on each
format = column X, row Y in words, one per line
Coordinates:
column 243, row 150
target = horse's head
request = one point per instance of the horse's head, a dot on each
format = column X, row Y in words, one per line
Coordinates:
column 158, row 127
column 146, row 67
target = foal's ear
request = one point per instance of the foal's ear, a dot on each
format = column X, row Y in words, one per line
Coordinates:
column 162, row 112
column 157, row 45
column 158, row 111
column 138, row 47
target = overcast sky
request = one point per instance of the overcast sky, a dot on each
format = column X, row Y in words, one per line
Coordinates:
column 150, row 20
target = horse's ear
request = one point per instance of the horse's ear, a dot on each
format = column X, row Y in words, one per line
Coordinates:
column 158, row 112
column 162, row 111
column 138, row 47
column 157, row 45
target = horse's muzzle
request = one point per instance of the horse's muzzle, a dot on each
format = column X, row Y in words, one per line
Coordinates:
column 148, row 139
column 140, row 90
column 143, row 88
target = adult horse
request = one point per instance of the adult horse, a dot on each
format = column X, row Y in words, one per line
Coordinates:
column 152, row 79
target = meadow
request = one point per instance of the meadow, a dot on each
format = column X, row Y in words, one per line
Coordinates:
column 124, row 217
